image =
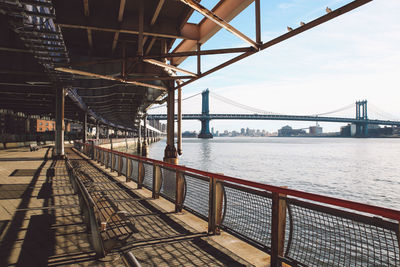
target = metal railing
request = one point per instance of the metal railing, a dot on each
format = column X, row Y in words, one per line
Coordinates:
column 295, row 227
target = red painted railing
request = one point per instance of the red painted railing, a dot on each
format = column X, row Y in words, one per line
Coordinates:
column 375, row 210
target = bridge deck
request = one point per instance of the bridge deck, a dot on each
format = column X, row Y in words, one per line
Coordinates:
column 41, row 223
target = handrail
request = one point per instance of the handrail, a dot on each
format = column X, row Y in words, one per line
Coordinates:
column 348, row 204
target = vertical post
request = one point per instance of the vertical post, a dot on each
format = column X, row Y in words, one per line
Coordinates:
column 59, row 138
column 84, row 139
column 144, row 147
column 179, row 130
column 170, row 154
column 140, row 175
column 123, row 60
column 258, row 22
column 198, row 59
column 119, row 167
column 398, row 234
column 97, row 130
column 215, row 206
column 274, row 230
column 278, row 228
column 128, row 169
column 179, row 191
column 112, row 161
column 139, row 144
column 157, row 180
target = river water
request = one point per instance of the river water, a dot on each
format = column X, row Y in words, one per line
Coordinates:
column 363, row 170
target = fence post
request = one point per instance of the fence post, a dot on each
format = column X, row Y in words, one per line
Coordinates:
column 215, row 206
column 398, row 236
column 278, row 228
column 179, row 191
column 107, row 161
column 128, row 169
column 112, row 161
column 92, row 150
column 157, row 180
column 140, row 174
column 119, row 167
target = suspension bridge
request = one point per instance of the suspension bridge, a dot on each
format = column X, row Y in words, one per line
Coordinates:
column 361, row 120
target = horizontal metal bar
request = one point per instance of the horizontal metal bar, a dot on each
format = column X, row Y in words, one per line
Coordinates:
column 384, row 212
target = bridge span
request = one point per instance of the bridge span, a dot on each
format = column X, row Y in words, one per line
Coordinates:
column 273, row 117
column 361, row 119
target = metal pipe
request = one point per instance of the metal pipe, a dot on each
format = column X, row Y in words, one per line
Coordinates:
column 179, row 122
column 258, row 21
column 130, row 260
column 60, row 126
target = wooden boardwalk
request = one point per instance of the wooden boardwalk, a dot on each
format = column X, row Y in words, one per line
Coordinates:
column 41, row 224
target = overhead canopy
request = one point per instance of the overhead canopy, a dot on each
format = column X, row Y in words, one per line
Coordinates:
column 46, row 44
column 113, row 57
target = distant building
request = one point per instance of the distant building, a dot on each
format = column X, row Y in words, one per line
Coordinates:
column 40, row 125
column 315, row 130
column 289, row 131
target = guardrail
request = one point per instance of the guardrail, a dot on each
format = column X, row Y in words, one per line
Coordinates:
column 295, row 227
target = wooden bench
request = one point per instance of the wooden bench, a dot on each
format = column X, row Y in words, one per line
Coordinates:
column 115, row 223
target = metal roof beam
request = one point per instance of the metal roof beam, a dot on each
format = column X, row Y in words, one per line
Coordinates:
column 106, row 77
column 164, row 33
column 331, row 15
column 225, row 10
column 167, row 66
column 218, row 20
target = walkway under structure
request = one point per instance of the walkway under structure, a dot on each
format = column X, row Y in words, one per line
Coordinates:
column 43, row 222
column 106, row 63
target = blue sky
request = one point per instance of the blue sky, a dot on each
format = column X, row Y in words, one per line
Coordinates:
column 353, row 57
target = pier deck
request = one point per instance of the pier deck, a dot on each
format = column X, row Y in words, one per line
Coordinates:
column 41, row 222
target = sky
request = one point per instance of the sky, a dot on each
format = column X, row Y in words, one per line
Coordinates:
column 353, row 57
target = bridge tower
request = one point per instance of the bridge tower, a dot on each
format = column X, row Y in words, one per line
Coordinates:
column 205, row 112
column 361, row 115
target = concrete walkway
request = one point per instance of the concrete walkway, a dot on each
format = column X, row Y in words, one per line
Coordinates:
column 41, row 224
column 40, row 220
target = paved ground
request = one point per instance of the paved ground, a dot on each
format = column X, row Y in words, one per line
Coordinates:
column 41, row 224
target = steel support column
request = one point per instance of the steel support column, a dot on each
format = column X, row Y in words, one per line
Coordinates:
column 145, row 136
column 139, row 142
column 59, row 137
column 170, row 154
column 97, row 130
column 179, row 130
column 84, row 128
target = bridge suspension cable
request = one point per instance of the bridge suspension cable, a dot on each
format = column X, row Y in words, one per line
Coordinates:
column 176, row 100
column 242, row 106
column 336, row 110
column 386, row 115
